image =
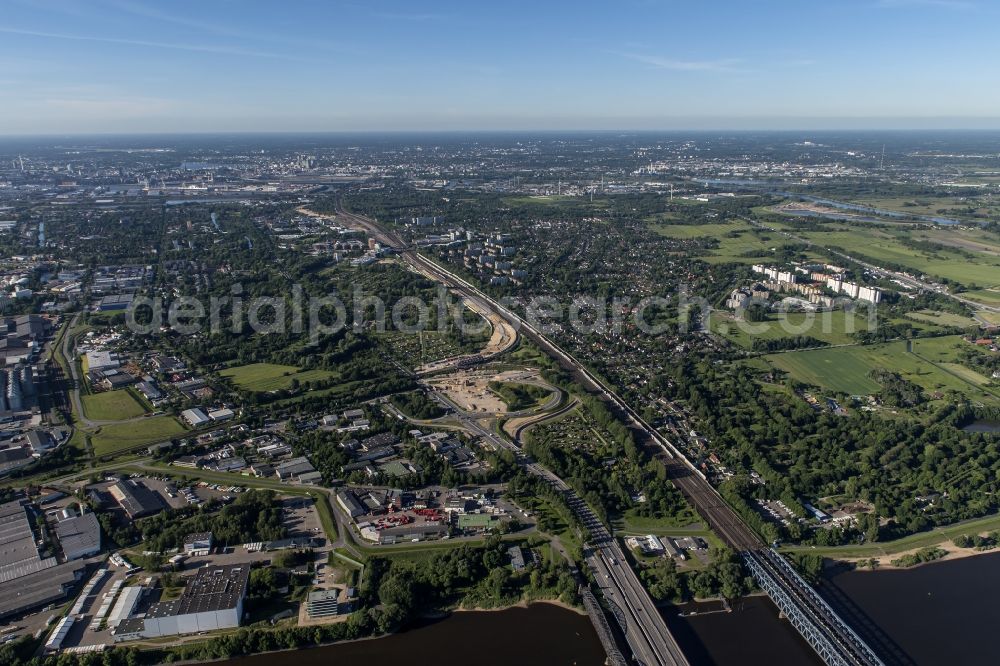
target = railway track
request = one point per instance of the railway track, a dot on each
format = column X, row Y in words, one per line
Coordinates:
column 828, row 634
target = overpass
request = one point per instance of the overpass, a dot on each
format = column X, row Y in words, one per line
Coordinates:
column 832, row 639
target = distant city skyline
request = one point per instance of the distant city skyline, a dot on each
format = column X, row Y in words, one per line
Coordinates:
column 122, row 66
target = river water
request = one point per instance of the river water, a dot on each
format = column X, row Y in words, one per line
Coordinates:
column 940, row 613
column 751, row 635
column 541, row 634
column 546, row 635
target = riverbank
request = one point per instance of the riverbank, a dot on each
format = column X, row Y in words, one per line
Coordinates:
column 885, row 562
column 524, row 603
column 216, row 660
column 885, row 551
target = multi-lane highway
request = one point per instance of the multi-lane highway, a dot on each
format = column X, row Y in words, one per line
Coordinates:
column 645, row 631
column 644, row 628
column 833, row 640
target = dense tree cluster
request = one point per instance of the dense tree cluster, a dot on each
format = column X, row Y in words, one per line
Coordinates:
column 782, row 344
column 978, row 541
column 417, row 405
column 897, row 391
column 518, row 396
column 916, row 473
column 724, row 576
column 469, row 575
column 24, row 652
column 255, row 515
column 612, row 472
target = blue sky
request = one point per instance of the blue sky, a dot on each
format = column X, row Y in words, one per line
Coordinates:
column 238, row 65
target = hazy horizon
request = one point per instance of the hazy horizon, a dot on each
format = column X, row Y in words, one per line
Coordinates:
column 127, row 66
column 784, row 129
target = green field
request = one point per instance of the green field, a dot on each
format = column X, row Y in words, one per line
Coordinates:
column 271, row 376
column 971, row 239
column 911, row 205
column 989, row 317
column 112, row 406
column 940, row 350
column 120, row 436
column 930, row 364
column 632, row 523
column 944, row 352
column 941, row 206
column 968, row 374
column 884, row 245
column 840, row 369
column 945, row 319
column 833, row 327
column 735, row 239
column 699, row 230
column 520, row 397
column 985, row 296
column 954, row 207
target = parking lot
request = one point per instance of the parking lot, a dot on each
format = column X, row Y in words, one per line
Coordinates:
column 301, row 517
column 81, row 633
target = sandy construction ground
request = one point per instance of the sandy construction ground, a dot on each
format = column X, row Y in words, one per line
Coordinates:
column 469, row 389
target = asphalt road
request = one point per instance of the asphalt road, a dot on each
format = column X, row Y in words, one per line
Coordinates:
column 649, row 643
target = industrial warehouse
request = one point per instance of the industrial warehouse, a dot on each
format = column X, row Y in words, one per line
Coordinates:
column 213, row 599
column 136, row 499
column 29, row 577
column 79, row 536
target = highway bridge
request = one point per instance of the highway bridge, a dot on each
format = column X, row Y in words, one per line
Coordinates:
column 644, row 628
column 640, row 620
column 648, row 637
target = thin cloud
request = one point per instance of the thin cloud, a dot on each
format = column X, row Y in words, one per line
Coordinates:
column 143, row 11
column 907, row 4
column 155, row 14
column 724, row 65
column 400, row 16
column 213, row 28
column 199, row 48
